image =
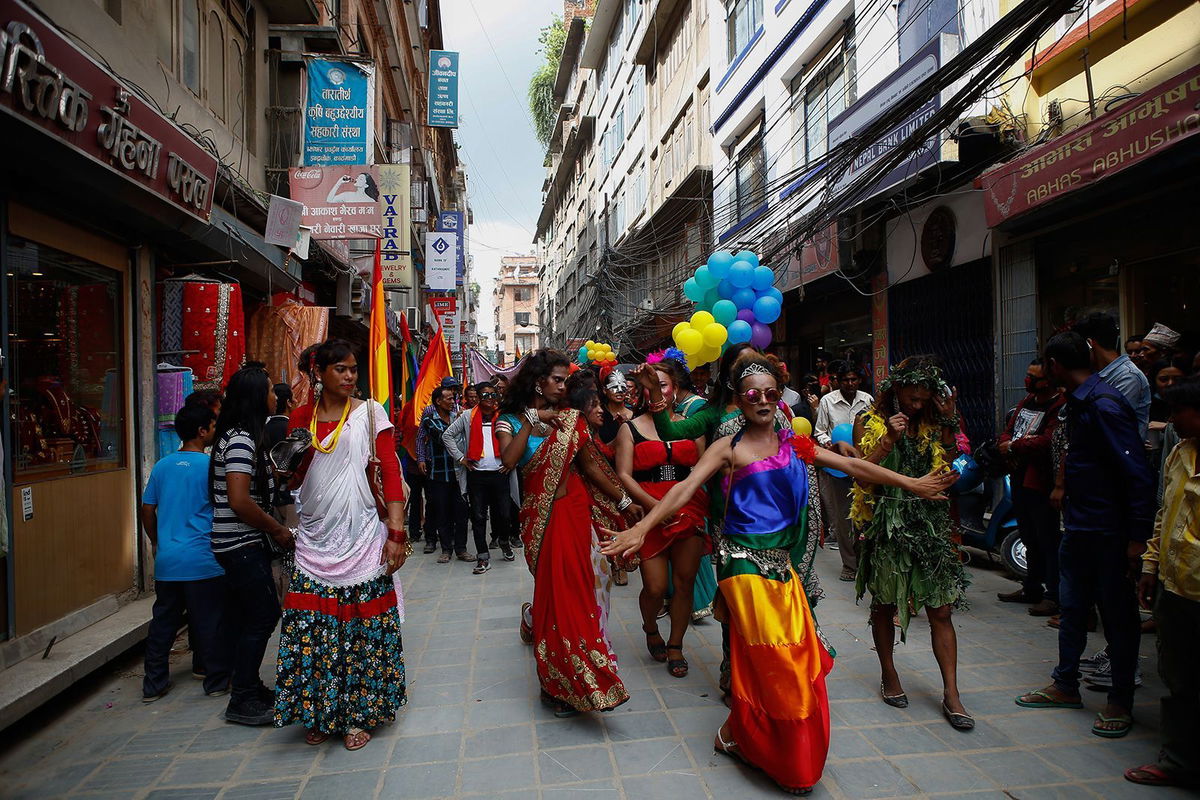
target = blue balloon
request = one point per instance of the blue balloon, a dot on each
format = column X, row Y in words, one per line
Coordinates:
column 583, row 354
column 739, row 331
column 746, row 255
column 837, row 473
column 725, row 312
column 843, row 433
column 719, row 263
column 692, row 290
column 767, row 309
column 725, row 289
column 741, row 274
column 763, row 278
column 773, row 292
column 744, row 298
column 705, row 278
column 711, row 298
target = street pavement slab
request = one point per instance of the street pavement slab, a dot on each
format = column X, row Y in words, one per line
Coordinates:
column 473, row 726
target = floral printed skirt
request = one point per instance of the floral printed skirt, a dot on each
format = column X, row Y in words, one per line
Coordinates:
column 341, row 659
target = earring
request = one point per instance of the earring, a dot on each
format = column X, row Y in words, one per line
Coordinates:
column 538, row 389
column 318, row 387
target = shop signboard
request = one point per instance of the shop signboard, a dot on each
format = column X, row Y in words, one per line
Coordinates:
column 818, row 257
column 1138, row 129
column 443, row 89
column 283, row 222
column 452, row 222
column 440, row 257
column 443, row 305
column 396, row 247
column 339, row 113
column 50, row 84
column 339, row 202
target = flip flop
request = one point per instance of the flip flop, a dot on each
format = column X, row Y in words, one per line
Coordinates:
column 1049, row 701
column 315, row 738
column 1151, row 775
column 354, row 740
column 1124, row 720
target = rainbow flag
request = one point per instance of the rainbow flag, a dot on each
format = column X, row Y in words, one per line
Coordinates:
column 408, row 363
column 380, row 360
column 434, row 366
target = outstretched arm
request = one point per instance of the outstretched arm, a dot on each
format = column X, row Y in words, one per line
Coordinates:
column 929, row 487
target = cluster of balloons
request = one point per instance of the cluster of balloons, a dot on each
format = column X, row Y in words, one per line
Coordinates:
column 700, row 338
column 597, row 352
column 740, row 295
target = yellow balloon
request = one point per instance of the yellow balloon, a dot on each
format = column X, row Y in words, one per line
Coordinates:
column 690, row 341
column 702, row 319
column 604, row 348
column 589, row 344
column 715, row 334
column 612, row 357
column 591, row 355
column 801, row 426
column 679, row 326
column 709, row 354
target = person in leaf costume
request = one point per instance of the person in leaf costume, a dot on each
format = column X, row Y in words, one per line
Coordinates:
column 908, row 560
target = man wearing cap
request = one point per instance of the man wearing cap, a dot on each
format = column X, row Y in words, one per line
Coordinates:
column 1156, row 346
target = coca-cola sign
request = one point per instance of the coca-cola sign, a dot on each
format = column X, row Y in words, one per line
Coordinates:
column 50, row 84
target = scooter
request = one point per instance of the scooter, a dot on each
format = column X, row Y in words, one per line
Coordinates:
column 983, row 496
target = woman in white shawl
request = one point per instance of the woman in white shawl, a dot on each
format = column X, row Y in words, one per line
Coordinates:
column 341, row 661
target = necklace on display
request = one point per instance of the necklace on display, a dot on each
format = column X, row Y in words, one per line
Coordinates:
column 337, row 432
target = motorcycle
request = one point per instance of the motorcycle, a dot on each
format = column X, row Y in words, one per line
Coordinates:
column 983, row 496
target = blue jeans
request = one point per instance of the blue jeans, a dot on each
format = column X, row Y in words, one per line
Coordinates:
column 251, row 615
column 1094, row 570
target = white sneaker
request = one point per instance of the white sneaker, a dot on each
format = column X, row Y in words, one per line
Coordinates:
column 1098, row 660
column 1102, row 677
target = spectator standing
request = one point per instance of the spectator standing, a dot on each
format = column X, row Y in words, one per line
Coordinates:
column 1108, row 516
column 1170, row 584
column 1118, row 371
column 839, row 407
column 1158, row 345
column 277, row 424
column 442, row 496
column 470, row 397
column 1026, row 441
column 824, row 379
column 177, row 515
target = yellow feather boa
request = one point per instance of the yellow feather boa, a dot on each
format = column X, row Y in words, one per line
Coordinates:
column 929, row 438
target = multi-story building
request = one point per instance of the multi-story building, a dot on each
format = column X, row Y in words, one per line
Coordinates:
column 515, row 306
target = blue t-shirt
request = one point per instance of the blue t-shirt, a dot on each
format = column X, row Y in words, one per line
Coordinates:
column 178, row 486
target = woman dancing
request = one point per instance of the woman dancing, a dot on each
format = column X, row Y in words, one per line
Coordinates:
column 649, row 467
column 341, row 660
column 779, row 711
column 908, row 560
column 566, row 486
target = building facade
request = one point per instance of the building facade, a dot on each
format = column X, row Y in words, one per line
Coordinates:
column 515, row 307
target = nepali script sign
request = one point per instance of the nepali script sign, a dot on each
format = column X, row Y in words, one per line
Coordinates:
column 51, row 85
column 395, row 249
column 1142, row 127
column 443, row 89
column 339, row 113
column 339, row 202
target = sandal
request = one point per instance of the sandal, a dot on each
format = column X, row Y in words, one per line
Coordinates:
column 657, row 651
column 620, row 577
column 1151, row 775
column 960, row 722
column 678, row 667
column 1124, row 724
column 526, row 628
column 893, row 700
column 463, row 555
column 316, row 737
column 727, row 749
column 356, row 739
column 1047, row 701
column 444, row 558
column 561, row 710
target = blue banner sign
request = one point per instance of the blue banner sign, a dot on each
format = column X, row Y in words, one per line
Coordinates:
column 443, row 89
column 452, row 222
column 339, row 113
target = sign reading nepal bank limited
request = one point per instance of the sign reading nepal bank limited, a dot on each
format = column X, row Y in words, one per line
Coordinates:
column 50, row 84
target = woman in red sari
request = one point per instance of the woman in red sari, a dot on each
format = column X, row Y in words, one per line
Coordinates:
column 567, row 488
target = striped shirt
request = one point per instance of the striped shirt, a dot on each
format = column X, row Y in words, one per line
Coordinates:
column 234, row 452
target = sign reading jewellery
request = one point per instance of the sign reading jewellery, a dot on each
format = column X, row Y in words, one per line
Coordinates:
column 50, row 84
column 339, row 113
column 443, row 89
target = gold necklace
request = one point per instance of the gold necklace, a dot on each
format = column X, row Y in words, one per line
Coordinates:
column 337, row 432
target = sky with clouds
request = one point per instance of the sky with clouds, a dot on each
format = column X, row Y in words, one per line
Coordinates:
column 499, row 46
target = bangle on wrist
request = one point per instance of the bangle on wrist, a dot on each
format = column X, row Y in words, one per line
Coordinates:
column 658, row 405
column 397, row 535
column 625, row 502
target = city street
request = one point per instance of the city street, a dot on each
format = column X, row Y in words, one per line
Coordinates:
column 474, row 727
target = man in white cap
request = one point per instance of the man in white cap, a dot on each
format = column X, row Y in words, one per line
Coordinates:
column 1157, row 345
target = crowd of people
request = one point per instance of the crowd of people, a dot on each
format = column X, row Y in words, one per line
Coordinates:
column 707, row 484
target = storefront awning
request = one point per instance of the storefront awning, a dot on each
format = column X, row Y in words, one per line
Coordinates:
column 1140, row 129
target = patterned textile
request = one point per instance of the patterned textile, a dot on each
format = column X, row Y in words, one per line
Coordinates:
column 170, row 336
column 277, row 335
column 173, row 386
column 213, row 326
column 341, row 658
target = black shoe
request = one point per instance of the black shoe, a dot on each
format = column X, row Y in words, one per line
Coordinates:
column 267, row 695
column 250, row 712
column 516, row 542
column 507, row 552
column 481, row 567
column 150, row 698
column 430, row 547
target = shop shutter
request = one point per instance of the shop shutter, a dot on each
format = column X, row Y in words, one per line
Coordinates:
column 1018, row 320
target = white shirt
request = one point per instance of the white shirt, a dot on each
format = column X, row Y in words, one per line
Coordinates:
column 489, row 462
column 835, row 410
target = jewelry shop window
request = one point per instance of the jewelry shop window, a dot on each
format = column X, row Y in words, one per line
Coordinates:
column 65, row 349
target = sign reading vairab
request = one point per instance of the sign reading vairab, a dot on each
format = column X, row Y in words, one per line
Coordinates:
column 339, row 113
column 441, row 253
column 443, row 89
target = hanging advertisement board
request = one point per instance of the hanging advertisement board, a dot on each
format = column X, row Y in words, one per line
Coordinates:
column 339, row 113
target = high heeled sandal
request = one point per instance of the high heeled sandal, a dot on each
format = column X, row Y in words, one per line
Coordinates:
column 678, row 667
column 657, row 651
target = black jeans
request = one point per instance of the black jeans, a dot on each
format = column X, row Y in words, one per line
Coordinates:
column 1094, row 570
column 443, row 504
column 252, row 612
column 488, row 493
column 416, row 491
column 1038, row 523
column 1178, row 621
column 204, row 602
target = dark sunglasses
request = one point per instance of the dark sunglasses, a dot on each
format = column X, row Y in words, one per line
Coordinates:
column 488, row 395
column 756, row 396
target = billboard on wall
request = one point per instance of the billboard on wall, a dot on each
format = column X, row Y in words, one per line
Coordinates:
column 396, row 246
column 443, row 89
column 453, row 222
column 339, row 202
column 440, row 257
column 339, row 111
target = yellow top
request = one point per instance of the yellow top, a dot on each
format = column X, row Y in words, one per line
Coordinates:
column 1177, row 526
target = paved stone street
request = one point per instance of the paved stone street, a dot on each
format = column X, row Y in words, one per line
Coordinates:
column 473, row 726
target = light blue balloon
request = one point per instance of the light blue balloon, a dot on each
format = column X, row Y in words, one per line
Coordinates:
column 739, row 331
column 711, row 298
column 719, row 263
column 763, row 278
column 692, row 290
column 773, row 292
column 725, row 289
column 744, row 298
column 583, row 354
column 843, row 433
column 725, row 312
column 705, row 278
column 741, row 274
column 767, row 309
column 748, row 256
